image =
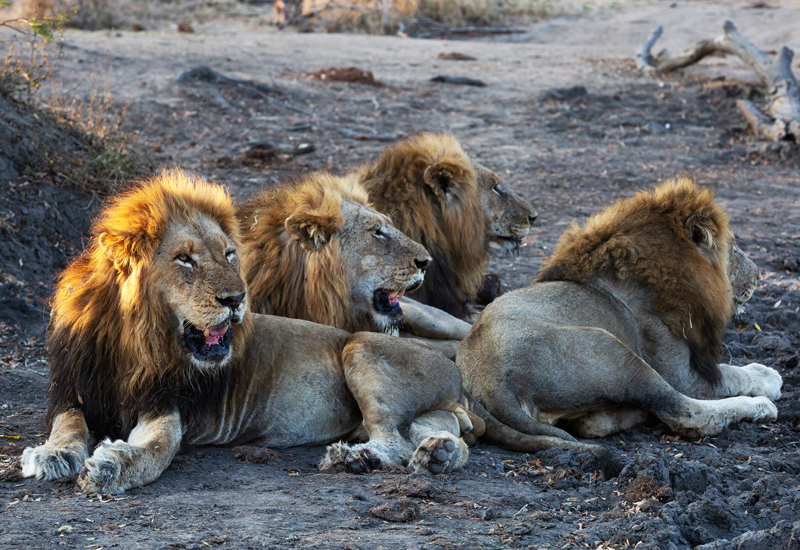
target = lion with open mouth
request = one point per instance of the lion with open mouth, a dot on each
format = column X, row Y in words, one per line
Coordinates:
column 316, row 250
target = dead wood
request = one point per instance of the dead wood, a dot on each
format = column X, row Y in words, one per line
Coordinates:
column 781, row 117
column 459, row 80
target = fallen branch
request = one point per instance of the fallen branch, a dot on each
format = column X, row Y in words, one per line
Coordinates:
column 459, row 80
column 782, row 118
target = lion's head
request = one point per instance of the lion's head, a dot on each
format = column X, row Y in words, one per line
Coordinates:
column 675, row 242
column 453, row 206
column 149, row 316
column 317, row 251
column 508, row 217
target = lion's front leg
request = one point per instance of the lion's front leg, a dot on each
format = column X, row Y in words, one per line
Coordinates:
column 64, row 452
column 118, row 465
column 429, row 322
column 754, row 380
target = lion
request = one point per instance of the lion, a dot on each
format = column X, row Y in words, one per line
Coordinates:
column 454, row 207
column 151, row 343
column 353, row 271
column 626, row 318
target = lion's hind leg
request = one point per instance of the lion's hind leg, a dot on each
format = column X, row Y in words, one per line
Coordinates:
column 439, row 449
column 64, row 452
column 116, row 466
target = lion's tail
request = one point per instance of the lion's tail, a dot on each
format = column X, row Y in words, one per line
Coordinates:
column 510, row 439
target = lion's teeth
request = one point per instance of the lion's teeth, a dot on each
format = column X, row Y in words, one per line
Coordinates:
column 400, row 294
column 207, row 333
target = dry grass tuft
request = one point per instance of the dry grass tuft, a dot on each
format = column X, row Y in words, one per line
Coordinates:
column 77, row 141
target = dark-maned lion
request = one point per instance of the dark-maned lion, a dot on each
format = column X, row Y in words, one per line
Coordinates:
column 453, row 206
column 626, row 318
column 351, row 273
column 151, row 343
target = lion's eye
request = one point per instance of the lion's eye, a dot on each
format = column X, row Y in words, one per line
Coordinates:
column 185, row 260
column 379, row 233
column 499, row 190
column 231, row 256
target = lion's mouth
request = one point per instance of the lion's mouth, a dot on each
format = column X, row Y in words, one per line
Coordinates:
column 387, row 302
column 208, row 344
column 510, row 244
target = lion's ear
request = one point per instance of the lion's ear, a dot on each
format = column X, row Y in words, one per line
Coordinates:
column 702, row 230
column 441, row 177
column 118, row 251
column 312, row 230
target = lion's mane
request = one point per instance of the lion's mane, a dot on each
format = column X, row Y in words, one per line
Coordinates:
column 452, row 229
column 284, row 277
column 644, row 239
column 113, row 345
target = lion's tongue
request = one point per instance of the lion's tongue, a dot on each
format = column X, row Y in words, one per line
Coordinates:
column 213, row 335
column 394, row 297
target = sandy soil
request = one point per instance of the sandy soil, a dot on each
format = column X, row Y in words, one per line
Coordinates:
column 570, row 157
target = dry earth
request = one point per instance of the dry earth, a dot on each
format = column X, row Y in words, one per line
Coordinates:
column 569, row 155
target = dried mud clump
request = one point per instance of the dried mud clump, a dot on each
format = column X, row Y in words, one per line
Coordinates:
column 353, row 75
column 402, row 510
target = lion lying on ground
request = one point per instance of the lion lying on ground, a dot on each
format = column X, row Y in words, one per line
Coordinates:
column 454, row 207
column 625, row 319
column 151, row 343
column 351, row 273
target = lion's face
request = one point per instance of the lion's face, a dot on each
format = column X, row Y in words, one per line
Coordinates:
column 743, row 275
column 196, row 271
column 508, row 216
column 381, row 263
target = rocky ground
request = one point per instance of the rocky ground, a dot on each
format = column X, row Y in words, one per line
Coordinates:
column 569, row 123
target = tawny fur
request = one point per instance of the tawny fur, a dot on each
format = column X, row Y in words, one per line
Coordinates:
column 284, row 278
column 645, row 240
column 112, row 347
column 448, row 223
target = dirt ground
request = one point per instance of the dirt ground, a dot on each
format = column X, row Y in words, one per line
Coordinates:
column 569, row 152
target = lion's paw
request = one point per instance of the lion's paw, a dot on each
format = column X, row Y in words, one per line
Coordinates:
column 45, row 462
column 357, row 459
column 439, row 454
column 102, row 472
column 765, row 381
column 764, row 410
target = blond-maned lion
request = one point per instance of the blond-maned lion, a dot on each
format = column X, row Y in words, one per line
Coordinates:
column 151, row 343
column 315, row 250
column 625, row 319
column 453, row 206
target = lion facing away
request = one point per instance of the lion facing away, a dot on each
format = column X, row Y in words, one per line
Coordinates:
column 625, row 319
column 315, row 250
column 151, row 343
column 453, row 206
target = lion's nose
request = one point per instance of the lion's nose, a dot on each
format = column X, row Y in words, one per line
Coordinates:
column 422, row 263
column 231, row 301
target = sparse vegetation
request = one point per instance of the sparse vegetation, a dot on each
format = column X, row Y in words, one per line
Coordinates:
column 78, row 141
column 389, row 16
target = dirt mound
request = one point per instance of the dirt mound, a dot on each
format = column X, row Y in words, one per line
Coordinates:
column 352, row 75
